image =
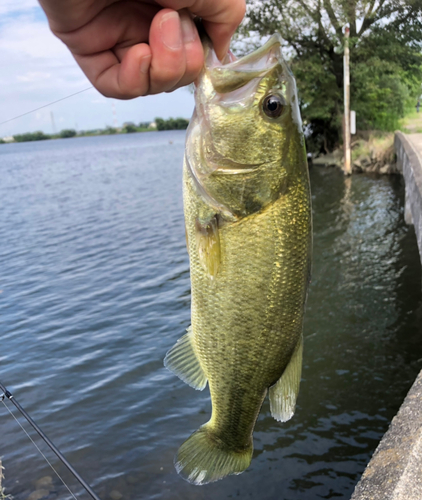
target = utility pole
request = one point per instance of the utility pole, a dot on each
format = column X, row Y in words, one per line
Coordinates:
column 113, row 109
column 53, row 123
column 346, row 120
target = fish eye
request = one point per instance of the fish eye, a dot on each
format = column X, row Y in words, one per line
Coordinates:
column 273, row 105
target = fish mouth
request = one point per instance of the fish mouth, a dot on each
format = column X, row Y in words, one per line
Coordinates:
column 236, row 74
column 221, row 165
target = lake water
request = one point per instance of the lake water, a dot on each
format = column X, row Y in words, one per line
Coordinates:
column 94, row 281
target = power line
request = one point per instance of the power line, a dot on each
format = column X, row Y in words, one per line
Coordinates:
column 45, row 105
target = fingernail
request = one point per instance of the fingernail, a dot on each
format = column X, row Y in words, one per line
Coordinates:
column 144, row 64
column 189, row 32
column 171, row 34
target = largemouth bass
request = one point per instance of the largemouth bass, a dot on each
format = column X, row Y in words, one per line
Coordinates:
column 248, row 228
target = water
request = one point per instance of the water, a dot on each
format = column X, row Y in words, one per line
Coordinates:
column 94, row 282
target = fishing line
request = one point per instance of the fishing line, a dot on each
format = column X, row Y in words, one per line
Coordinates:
column 11, row 398
column 36, row 446
column 46, row 105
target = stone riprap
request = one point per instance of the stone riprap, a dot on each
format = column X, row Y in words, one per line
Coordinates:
column 395, row 470
column 409, row 161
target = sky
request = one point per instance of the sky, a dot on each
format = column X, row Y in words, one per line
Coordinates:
column 36, row 68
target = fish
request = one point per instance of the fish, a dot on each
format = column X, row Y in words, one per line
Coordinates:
column 247, row 208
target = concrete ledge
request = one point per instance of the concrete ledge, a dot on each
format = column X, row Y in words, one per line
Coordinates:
column 409, row 162
column 395, row 470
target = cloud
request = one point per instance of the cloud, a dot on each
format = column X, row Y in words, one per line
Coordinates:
column 10, row 7
column 34, row 76
column 36, row 69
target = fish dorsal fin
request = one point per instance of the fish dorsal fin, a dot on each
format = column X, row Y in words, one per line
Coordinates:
column 182, row 360
column 283, row 394
column 208, row 245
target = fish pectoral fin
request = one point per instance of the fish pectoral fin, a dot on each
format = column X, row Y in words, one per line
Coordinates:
column 208, row 245
column 283, row 394
column 182, row 360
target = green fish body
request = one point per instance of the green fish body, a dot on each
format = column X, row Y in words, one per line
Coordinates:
column 248, row 229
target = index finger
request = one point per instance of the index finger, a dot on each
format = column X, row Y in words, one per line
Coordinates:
column 220, row 18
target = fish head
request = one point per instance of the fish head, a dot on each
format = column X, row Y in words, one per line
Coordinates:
column 245, row 139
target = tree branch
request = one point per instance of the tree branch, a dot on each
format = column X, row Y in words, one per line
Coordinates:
column 334, row 21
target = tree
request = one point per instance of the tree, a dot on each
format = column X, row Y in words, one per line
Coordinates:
column 385, row 58
column 32, row 136
column 172, row 124
column 130, row 128
column 66, row 133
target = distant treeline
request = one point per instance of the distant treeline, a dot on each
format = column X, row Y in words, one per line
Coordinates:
column 128, row 128
column 172, row 124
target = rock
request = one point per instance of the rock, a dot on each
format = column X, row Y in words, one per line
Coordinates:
column 38, row 494
column 365, row 161
column 115, row 495
column 45, row 483
column 132, row 480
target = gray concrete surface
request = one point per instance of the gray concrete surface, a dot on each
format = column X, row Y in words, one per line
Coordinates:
column 409, row 161
column 395, row 470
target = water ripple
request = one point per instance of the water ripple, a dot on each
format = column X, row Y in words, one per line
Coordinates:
column 95, row 288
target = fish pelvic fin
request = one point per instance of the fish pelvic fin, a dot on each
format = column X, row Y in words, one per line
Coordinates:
column 283, row 394
column 205, row 458
column 182, row 360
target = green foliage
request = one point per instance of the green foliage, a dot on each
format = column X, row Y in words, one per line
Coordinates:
column 130, row 128
column 32, row 136
column 109, row 131
column 3, row 495
column 64, row 134
column 385, row 58
column 172, row 124
column 2, row 142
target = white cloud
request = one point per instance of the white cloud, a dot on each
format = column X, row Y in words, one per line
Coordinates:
column 8, row 7
column 36, row 69
column 34, row 76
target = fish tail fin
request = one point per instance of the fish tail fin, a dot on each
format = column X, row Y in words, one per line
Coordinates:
column 205, row 458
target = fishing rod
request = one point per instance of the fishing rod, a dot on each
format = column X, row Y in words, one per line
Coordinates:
column 45, row 106
column 11, row 398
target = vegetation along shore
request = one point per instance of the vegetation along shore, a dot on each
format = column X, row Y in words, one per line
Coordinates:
column 127, row 128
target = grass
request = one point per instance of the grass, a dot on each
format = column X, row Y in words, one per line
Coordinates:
column 412, row 122
column 373, row 146
column 3, row 495
column 376, row 147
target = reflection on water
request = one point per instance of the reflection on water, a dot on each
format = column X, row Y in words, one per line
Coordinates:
column 95, row 289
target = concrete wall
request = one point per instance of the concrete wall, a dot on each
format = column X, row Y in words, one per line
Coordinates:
column 409, row 161
column 395, row 470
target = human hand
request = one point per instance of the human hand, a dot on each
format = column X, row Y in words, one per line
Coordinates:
column 130, row 48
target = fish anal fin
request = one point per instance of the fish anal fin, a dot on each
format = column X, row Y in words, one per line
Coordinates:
column 208, row 245
column 283, row 394
column 182, row 360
